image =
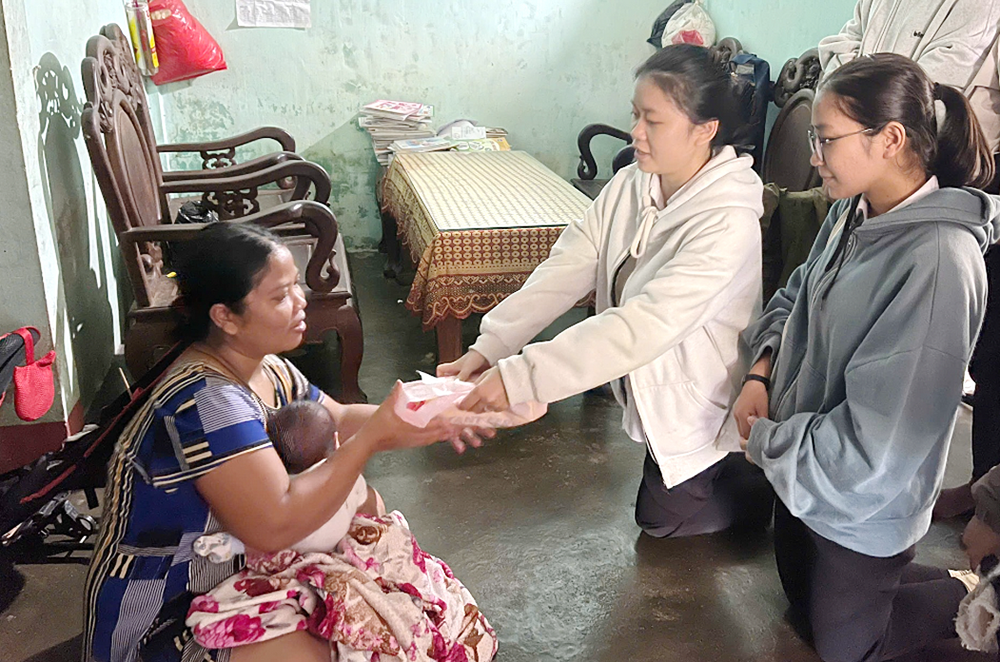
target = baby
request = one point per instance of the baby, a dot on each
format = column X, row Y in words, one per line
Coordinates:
column 304, row 434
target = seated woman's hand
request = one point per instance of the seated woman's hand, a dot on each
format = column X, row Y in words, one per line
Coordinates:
column 392, row 433
column 490, row 394
column 467, row 368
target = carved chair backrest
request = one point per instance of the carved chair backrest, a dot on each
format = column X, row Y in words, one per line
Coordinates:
column 122, row 153
column 122, row 45
column 786, row 158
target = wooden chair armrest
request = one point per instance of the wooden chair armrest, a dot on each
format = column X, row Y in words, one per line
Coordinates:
column 297, row 218
column 588, row 166
column 262, row 133
column 227, row 193
column 234, row 170
column 175, row 232
column 317, row 221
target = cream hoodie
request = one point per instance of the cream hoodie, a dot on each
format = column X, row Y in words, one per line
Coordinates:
column 955, row 41
column 695, row 287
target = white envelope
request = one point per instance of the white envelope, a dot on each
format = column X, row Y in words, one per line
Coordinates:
column 433, row 397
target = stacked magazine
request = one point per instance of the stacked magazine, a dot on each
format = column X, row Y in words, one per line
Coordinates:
column 401, row 122
column 432, row 144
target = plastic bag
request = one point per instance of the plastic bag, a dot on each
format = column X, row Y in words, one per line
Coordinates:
column 656, row 37
column 196, row 211
column 433, row 397
column 12, row 354
column 690, row 24
column 185, row 48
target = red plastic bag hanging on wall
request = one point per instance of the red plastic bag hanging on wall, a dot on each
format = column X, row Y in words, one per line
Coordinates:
column 184, row 47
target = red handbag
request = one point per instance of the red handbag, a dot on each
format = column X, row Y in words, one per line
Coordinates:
column 34, row 389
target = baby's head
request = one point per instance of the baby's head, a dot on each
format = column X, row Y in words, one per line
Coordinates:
column 303, row 434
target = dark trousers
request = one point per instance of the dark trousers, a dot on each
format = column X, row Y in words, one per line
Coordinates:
column 859, row 608
column 731, row 492
column 986, row 424
column 985, row 369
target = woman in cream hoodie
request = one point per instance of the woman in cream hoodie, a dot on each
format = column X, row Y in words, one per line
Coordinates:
column 672, row 248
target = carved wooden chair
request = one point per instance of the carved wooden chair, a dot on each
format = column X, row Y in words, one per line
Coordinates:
column 786, row 157
column 125, row 161
column 218, row 156
column 586, row 181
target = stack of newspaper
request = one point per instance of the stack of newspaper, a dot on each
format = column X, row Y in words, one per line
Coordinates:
column 468, row 136
column 395, row 121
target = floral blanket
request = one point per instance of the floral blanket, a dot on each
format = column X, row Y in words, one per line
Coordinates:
column 378, row 597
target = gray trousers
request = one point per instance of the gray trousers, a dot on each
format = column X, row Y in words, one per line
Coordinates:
column 859, row 608
column 730, row 493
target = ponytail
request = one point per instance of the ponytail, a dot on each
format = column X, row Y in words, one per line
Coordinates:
column 963, row 155
column 885, row 87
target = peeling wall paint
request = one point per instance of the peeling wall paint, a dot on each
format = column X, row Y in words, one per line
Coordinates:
column 542, row 69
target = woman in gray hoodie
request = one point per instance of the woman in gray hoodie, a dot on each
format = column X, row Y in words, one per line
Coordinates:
column 859, row 361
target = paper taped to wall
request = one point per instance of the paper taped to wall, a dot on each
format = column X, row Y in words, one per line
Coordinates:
column 273, row 13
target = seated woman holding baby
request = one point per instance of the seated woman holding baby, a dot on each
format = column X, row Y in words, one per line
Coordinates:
column 197, row 459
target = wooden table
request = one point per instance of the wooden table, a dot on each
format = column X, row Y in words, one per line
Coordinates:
column 476, row 225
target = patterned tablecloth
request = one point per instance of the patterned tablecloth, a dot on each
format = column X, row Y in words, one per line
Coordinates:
column 476, row 225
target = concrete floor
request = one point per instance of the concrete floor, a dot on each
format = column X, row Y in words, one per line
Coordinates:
column 539, row 527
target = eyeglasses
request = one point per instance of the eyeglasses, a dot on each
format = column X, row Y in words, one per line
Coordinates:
column 816, row 143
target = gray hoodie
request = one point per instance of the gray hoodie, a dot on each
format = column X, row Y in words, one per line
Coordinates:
column 868, row 363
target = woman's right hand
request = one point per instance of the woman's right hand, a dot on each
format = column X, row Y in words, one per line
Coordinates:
column 467, row 369
column 389, row 432
column 751, row 405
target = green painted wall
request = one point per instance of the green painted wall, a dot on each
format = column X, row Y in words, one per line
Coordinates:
column 780, row 29
column 542, row 69
column 57, row 263
column 88, row 327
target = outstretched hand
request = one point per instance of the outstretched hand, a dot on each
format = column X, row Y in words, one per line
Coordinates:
column 469, row 367
column 490, row 394
column 393, row 433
